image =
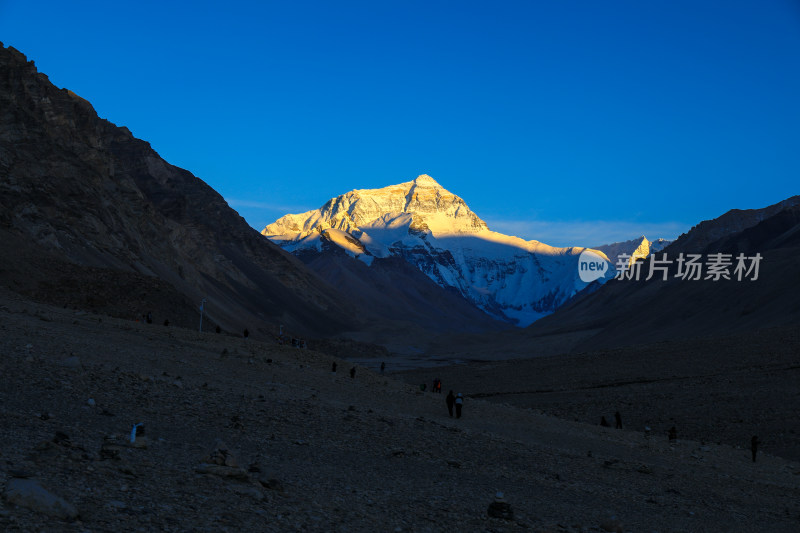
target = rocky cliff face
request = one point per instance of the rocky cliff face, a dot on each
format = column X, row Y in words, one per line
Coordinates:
column 431, row 228
column 85, row 204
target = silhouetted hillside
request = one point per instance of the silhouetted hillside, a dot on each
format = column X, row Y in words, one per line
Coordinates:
column 92, row 217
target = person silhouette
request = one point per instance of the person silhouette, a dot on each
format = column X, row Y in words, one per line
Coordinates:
column 618, row 418
column 754, row 442
column 451, row 401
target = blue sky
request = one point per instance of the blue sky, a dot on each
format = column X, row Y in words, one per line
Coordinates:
column 573, row 123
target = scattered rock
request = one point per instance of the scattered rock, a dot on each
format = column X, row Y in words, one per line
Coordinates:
column 249, row 490
column 221, row 455
column 72, row 363
column 61, row 439
column 126, row 468
column 223, row 471
column 140, row 442
column 30, row 494
column 21, row 472
column 612, row 524
column 499, row 508
column 109, row 449
column 117, row 505
column 271, row 484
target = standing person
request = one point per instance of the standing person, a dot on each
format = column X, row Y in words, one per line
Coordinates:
column 673, row 435
column 451, row 401
column 383, row 367
column 459, row 404
column 618, row 418
column 754, row 442
column 353, row 373
column 246, row 333
column 333, row 367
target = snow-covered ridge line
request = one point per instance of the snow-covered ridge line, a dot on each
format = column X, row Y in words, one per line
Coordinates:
column 433, row 229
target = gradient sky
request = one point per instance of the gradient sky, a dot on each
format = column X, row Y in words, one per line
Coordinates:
column 573, row 123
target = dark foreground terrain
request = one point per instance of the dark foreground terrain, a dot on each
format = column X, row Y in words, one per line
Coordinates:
column 717, row 390
column 307, row 450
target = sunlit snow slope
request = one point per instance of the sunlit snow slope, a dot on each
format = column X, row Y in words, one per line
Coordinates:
column 507, row 277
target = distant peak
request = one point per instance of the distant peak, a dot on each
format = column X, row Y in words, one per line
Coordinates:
column 423, row 180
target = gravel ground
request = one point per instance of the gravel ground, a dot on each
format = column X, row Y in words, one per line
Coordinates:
column 245, row 436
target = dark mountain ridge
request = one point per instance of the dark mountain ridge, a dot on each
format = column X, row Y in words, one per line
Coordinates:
column 639, row 312
column 630, row 311
column 85, row 205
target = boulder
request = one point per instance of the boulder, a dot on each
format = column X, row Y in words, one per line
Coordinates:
column 499, row 508
column 30, row 494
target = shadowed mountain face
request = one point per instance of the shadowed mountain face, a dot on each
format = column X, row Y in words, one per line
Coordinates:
column 728, row 225
column 411, row 307
column 92, row 217
column 630, row 311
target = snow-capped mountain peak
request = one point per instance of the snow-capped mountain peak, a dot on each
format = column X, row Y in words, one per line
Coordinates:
column 433, row 229
column 431, row 206
column 636, row 249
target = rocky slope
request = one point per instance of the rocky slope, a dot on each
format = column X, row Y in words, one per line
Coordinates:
column 405, row 307
column 629, row 311
column 97, row 220
column 246, row 436
column 729, row 224
column 434, row 230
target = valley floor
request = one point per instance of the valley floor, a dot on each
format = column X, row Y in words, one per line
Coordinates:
column 715, row 390
column 317, row 451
